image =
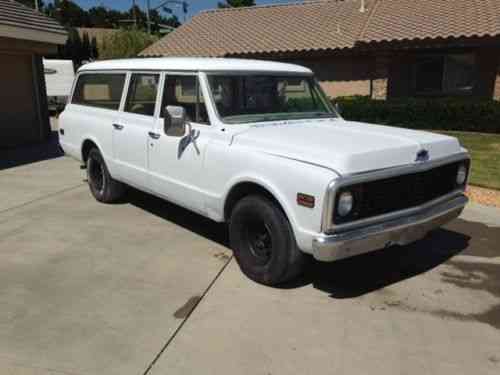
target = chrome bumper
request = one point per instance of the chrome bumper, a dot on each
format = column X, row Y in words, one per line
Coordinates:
column 401, row 231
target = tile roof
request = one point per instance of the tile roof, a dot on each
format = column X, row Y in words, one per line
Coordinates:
column 16, row 14
column 431, row 19
column 326, row 25
column 315, row 25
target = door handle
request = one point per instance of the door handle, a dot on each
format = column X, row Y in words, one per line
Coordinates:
column 154, row 135
column 118, row 126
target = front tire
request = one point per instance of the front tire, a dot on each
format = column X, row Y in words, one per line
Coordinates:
column 102, row 186
column 263, row 241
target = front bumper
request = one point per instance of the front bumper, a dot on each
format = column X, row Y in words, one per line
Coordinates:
column 401, row 231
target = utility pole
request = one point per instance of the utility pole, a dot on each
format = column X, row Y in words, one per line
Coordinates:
column 183, row 3
column 36, row 5
column 134, row 13
column 363, row 6
column 147, row 16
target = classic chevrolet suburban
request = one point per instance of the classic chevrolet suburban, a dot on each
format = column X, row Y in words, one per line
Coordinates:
column 258, row 145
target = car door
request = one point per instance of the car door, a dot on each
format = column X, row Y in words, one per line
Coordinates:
column 134, row 127
column 176, row 162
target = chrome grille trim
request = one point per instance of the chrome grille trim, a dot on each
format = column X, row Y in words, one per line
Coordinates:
column 327, row 225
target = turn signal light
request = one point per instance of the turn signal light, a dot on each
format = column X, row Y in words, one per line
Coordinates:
column 305, row 200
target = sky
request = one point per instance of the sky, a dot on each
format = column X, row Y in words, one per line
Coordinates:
column 194, row 5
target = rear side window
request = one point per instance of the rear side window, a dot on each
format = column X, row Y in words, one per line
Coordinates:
column 99, row 90
column 141, row 98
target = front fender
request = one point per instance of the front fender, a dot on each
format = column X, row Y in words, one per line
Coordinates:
column 265, row 183
column 282, row 177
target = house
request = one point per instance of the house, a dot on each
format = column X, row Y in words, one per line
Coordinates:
column 25, row 36
column 379, row 48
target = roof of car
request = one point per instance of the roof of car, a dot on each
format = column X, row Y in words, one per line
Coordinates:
column 206, row 64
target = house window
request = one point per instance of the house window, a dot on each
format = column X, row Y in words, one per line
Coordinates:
column 445, row 74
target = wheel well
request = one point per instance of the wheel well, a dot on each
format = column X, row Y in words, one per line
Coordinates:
column 87, row 146
column 242, row 190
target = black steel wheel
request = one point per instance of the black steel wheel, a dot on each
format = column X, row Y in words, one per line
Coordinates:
column 263, row 241
column 102, row 186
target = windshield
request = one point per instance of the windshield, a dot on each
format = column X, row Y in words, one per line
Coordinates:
column 255, row 98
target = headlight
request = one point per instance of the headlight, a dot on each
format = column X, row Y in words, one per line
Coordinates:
column 461, row 174
column 345, row 203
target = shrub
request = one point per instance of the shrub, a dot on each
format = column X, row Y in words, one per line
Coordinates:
column 125, row 43
column 436, row 114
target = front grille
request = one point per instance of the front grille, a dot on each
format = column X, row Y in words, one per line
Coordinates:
column 391, row 194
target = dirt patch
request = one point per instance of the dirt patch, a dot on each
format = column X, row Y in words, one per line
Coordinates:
column 488, row 197
column 494, row 359
column 490, row 316
column 475, row 276
column 483, row 240
column 186, row 309
column 222, row 256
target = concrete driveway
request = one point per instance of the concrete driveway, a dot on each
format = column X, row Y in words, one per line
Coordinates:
column 145, row 287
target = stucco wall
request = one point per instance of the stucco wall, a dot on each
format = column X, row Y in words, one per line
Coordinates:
column 391, row 74
column 496, row 85
column 19, row 45
column 342, row 76
column 23, row 113
column 496, row 94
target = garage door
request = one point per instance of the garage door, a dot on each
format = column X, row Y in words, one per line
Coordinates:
column 18, row 115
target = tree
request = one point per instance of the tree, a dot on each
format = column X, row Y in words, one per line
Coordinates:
column 94, row 50
column 236, row 3
column 125, row 43
column 78, row 48
column 105, row 18
column 68, row 13
column 157, row 19
column 86, row 51
column 75, row 51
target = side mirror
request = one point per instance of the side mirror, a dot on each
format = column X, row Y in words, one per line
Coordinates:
column 175, row 121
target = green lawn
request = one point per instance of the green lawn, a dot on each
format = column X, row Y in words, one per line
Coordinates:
column 485, row 153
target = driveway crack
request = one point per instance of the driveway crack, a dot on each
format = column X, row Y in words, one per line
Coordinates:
column 193, row 307
column 50, row 195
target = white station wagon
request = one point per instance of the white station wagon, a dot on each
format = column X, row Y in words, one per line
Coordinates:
column 258, row 145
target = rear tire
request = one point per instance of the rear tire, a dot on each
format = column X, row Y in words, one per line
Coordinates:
column 263, row 241
column 103, row 187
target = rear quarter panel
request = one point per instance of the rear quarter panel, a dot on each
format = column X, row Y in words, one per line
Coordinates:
column 81, row 123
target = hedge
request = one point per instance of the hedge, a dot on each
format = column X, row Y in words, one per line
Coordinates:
column 436, row 114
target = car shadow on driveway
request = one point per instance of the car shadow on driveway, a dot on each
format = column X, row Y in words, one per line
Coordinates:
column 348, row 278
column 180, row 216
column 356, row 276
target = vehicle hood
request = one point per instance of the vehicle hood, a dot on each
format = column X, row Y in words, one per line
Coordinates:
column 345, row 146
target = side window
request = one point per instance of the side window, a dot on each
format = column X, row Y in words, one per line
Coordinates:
column 184, row 91
column 99, row 90
column 445, row 74
column 141, row 96
column 429, row 73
